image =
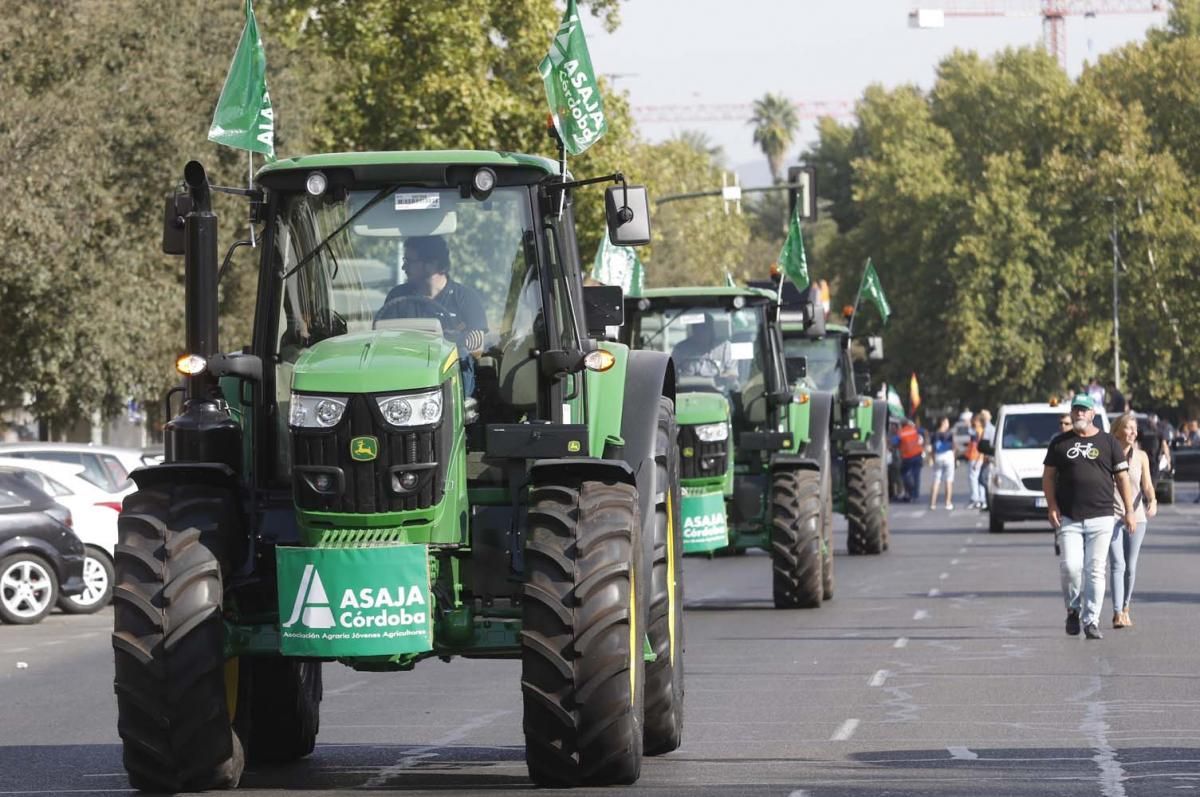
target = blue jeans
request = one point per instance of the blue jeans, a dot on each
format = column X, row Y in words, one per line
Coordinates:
column 910, row 474
column 1122, row 562
column 1083, row 564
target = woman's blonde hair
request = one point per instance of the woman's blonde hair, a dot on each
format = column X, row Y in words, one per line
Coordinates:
column 1118, row 427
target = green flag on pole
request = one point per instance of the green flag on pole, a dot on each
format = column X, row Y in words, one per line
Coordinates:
column 894, row 405
column 791, row 256
column 871, row 289
column 244, row 118
column 571, row 88
column 619, row 265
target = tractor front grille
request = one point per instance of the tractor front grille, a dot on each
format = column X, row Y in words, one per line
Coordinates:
column 692, row 466
column 370, row 487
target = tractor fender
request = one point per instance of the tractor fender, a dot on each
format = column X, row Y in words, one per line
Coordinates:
column 794, row 461
column 580, row 467
column 649, row 376
column 879, row 426
column 215, row 474
column 820, row 418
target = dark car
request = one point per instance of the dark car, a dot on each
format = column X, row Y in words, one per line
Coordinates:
column 40, row 557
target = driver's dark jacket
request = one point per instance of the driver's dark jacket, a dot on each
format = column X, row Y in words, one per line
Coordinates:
column 460, row 302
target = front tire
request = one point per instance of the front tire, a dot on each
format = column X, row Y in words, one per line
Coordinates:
column 827, row 532
column 866, row 510
column 173, row 708
column 663, row 728
column 796, row 539
column 28, row 589
column 98, row 577
column 583, row 625
column 285, row 708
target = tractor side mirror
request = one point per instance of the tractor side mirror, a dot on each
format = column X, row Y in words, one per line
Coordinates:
column 174, row 212
column 603, row 306
column 627, row 210
column 875, row 347
column 797, row 368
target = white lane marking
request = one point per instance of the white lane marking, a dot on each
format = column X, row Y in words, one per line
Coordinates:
column 953, row 561
column 798, row 793
column 55, row 642
column 920, row 513
column 1095, row 727
column 920, row 614
column 962, row 753
column 844, row 731
column 17, row 650
column 971, row 539
column 878, row 678
column 933, row 593
column 345, row 688
column 88, row 635
column 943, row 576
column 902, row 642
column 384, row 774
column 962, row 550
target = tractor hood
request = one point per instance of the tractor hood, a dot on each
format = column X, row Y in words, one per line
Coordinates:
column 375, row 362
column 695, row 408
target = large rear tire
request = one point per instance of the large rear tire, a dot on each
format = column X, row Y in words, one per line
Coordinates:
column 285, row 713
column 583, row 626
column 827, row 531
column 866, row 507
column 796, row 539
column 663, row 728
column 173, row 707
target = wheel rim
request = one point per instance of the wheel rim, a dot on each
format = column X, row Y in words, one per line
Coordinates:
column 26, row 589
column 95, row 583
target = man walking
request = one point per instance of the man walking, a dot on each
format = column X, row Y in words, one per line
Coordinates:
column 1081, row 466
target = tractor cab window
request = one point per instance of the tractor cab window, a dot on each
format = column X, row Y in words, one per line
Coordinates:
column 410, row 259
column 823, row 356
column 714, row 348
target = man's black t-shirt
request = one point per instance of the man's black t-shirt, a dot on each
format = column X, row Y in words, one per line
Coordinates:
column 1086, row 468
column 462, row 305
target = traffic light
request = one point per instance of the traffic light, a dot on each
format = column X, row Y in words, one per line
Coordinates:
column 802, row 188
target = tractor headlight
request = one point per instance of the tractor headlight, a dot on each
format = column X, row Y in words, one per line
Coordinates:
column 712, row 432
column 412, row 409
column 316, row 412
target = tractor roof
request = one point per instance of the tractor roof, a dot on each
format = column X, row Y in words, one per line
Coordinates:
column 696, row 295
column 462, row 157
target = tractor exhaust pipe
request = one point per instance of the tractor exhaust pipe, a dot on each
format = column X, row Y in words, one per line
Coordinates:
column 204, row 430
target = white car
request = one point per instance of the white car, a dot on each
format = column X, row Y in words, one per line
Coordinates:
column 1023, row 434
column 93, row 519
column 107, row 467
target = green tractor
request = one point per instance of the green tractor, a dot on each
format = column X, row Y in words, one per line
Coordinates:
column 382, row 477
column 820, row 358
column 754, row 453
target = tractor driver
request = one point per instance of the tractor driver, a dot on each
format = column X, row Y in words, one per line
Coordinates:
column 704, row 353
column 429, row 292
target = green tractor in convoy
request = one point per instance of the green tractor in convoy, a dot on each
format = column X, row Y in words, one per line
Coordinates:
column 380, row 478
column 754, row 452
column 820, row 358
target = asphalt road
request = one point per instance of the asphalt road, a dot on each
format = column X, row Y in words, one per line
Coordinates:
column 939, row 668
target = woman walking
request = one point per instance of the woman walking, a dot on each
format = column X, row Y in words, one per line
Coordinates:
column 1126, row 542
column 942, row 445
column 974, row 459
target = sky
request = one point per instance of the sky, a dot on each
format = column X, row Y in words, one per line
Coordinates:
column 705, row 52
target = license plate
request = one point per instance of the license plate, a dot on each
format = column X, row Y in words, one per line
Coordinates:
column 1039, row 503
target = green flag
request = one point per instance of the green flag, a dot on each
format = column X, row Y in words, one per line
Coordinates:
column 619, row 265
column 871, row 289
column 894, row 405
column 244, row 118
column 571, row 88
column 791, row 256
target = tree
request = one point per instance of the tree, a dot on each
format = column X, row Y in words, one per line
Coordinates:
column 775, row 124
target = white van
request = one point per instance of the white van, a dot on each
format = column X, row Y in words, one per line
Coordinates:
column 1023, row 433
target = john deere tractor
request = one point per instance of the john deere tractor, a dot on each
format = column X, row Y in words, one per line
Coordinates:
column 820, row 359
column 748, row 440
column 386, row 475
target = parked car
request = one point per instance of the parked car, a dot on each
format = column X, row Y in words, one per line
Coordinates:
column 107, row 467
column 40, row 557
column 94, row 514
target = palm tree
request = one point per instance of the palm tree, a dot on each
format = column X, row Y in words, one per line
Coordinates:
column 775, row 124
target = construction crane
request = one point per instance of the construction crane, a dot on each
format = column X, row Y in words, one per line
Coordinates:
column 1052, row 12
column 736, row 111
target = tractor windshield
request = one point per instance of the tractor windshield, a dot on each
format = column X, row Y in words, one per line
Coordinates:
column 823, row 357
column 407, row 256
column 713, row 348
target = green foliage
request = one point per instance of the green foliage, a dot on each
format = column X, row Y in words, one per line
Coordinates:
column 988, row 206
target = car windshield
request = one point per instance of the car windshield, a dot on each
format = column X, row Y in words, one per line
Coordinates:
column 713, row 347
column 1033, row 430
column 400, row 240
column 822, row 354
